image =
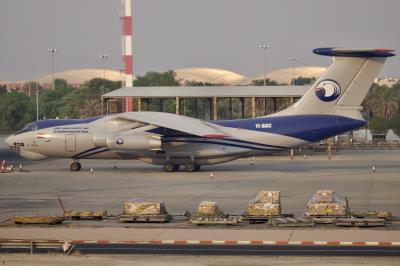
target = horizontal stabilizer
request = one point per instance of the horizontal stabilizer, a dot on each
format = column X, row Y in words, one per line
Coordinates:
column 348, row 52
column 343, row 87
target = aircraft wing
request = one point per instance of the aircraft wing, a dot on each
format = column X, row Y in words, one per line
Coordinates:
column 171, row 121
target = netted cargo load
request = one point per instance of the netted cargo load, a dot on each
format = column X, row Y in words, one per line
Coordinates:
column 142, row 207
column 326, row 203
column 266, row 203
column 263, row 209
column 208, row 209
column 268, row 197
column 325, row 196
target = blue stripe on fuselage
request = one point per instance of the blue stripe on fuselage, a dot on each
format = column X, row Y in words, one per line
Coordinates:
column 216, row 142
column 305, row 127
column 186, row 136
column 41, row 124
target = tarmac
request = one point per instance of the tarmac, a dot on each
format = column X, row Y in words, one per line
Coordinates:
column 151, row 260
column 232, row 185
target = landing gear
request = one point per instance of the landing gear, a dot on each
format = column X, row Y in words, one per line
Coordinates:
column 75, row 166
column 192, row 167
column 169, row 167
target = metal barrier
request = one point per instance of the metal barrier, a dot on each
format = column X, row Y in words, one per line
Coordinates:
column 34, row 246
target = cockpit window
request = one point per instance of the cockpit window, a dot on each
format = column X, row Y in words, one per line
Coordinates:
column 30, row 127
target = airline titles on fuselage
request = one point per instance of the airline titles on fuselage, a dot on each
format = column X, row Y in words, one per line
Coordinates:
column 71, row 130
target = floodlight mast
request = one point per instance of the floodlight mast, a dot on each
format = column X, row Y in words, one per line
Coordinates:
column 264, row 47
column 52, row 52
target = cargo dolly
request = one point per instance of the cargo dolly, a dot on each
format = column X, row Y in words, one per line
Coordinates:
column 83, row 215
column 224, row 220
column 50, row 220
column 292, row 222
column 360, row 222
column 161, row 218
column 256, row 219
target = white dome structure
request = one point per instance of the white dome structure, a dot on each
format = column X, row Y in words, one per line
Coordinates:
column 210, row 75
column 199, row 74
column 285, row 75
column 80, row 76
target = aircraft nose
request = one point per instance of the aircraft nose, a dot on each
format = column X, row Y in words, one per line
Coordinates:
column 9, row 141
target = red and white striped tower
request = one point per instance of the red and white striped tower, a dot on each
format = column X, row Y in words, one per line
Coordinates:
column 127, row 50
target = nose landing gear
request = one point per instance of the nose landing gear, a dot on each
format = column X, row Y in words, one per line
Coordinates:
column 75, row 166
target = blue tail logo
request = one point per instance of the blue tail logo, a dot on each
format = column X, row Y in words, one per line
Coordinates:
column 327, row 90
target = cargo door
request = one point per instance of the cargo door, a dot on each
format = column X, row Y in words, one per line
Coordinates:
column 70, row 143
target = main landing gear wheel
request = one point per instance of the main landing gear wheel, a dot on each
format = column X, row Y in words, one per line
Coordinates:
column 191, row 167
column 75, row 166
column 169, row 167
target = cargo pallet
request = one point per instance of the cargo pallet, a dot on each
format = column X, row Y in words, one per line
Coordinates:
column 232, row 220
column 360, row 222
column 292, row 222
column 325, row 219
column 85, row 215
column 162, row 218
column 50, row 220
column 253, row 219
column 259, row 219
column 387, row 215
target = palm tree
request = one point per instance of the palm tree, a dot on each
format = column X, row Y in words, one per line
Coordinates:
column 381, row 103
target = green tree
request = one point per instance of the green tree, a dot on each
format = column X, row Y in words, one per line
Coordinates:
column 381, row 102
column 194, row 83
column 268, row 82
column 395, row 124
column 300, row 81
column 101, row 86
column 378, row 125
column 51, row 102
column 61, row 83
column 86, row 101
column 157, row 79
column 3, row 89
column 16, row 110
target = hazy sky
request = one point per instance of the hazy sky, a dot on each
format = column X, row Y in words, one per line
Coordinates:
column 171, row 34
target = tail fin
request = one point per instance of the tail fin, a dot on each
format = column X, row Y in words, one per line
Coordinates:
column 342, row 88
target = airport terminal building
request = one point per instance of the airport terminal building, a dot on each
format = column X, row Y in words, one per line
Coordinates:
column 205, row 102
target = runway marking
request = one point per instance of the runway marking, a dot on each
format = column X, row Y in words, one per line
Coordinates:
column 215, row 242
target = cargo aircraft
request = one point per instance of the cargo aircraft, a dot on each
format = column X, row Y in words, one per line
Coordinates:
column 330, row 107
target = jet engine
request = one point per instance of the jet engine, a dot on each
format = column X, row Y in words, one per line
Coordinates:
column 140, row 141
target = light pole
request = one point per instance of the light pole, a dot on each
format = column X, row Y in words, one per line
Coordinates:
column 52, row 52
column 104, row 57
column 37, row 102
column 293, row 59
column 264, row 47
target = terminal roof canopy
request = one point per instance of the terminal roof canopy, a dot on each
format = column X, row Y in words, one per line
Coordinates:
column 209, row 91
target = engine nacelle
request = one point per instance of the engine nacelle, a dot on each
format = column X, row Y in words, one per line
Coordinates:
column 128, row 142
